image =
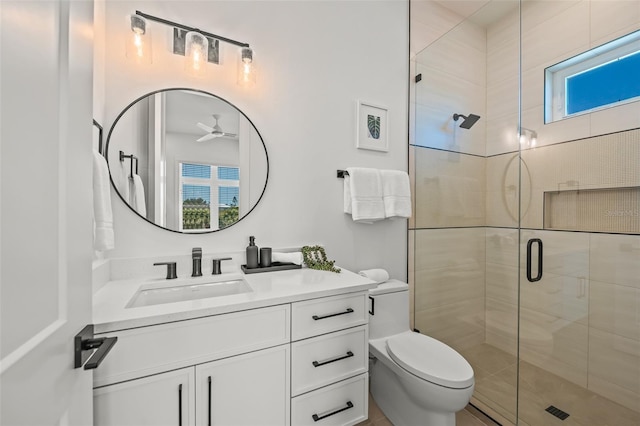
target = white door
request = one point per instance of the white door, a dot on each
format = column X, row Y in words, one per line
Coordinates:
column 45, row 209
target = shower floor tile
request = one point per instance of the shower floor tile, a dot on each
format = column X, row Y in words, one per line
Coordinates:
column 496, row 388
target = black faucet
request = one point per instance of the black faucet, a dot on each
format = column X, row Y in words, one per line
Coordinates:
column 196, row 257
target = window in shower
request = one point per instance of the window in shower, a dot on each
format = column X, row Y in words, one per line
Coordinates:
column 599, row 78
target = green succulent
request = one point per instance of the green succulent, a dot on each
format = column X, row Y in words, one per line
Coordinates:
column 316, row 258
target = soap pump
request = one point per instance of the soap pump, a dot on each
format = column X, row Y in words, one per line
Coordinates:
column 252, row 253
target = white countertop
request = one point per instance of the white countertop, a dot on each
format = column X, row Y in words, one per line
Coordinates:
column 268, row 288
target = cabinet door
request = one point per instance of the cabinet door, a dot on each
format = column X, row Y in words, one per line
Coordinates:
column 158, row 400
column 251, row 389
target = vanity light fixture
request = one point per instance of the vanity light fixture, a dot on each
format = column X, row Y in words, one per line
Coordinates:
column 196, row 54
column 199, row 47
column 246, row 68
column 528, row 138
column 138, row 43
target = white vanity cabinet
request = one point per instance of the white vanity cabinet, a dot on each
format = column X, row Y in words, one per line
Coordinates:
column 299, row 363
column 152, row 368
column 330, row 360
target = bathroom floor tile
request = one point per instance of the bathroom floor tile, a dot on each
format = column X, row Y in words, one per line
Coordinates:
column 466, row 417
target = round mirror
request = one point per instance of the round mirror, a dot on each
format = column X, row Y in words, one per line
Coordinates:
column 187, row 161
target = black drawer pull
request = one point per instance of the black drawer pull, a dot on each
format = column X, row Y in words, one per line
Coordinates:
column 348, row 311
column 330, row 360
column 339, row 410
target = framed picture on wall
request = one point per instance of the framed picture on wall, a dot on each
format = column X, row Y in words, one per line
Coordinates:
column 372, row 127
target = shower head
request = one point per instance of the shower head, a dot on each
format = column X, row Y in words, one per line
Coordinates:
column 469, row 120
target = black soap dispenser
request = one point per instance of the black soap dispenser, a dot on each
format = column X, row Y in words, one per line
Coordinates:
column 252, row 253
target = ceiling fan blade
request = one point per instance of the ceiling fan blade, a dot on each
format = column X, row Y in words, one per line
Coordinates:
column 205, row 127
column 206, row 138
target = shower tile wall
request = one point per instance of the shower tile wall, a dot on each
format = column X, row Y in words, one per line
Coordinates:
column 449, row 184
column 614, row 317
column 450, row 189
column 582, row 320
column 451, row 307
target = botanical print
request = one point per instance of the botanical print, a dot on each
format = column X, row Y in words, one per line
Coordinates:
column 373, row 123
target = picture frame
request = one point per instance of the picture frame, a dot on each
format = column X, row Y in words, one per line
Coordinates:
column 372, row 132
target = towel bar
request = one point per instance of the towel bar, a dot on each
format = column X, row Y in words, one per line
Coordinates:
column 130, row 157
column 100, row 133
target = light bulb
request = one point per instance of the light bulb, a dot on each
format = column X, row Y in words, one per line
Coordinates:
column 196, row 54
column 138, row 43
column 523, row 139
column 246, row 68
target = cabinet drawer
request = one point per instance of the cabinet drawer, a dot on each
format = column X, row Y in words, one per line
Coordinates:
column 328, row 358
column 318, row 316
column 154, row 349
column 343, row 403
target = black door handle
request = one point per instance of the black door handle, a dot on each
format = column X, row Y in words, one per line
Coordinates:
column 85, row 343
column 530, row 244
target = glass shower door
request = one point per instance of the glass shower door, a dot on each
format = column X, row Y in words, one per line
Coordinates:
column 579, row 280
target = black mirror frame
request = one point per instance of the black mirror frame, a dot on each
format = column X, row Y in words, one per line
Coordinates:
column 106, row 155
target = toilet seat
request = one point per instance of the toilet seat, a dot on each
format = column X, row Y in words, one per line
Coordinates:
column 430, row 360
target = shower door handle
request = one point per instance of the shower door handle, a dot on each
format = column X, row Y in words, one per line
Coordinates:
column 530, row 244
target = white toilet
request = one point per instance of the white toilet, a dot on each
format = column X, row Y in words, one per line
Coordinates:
column 415, row 380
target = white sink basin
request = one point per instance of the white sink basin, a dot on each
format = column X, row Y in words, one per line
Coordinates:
column 180, row 293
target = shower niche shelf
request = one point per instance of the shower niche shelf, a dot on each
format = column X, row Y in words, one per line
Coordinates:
column 612, row 210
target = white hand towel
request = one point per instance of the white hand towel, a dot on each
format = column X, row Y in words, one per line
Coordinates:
column 293, row 257
column 365, row 184
column 138, row 198
column 347, row 194
column 377, row 275
column 396, row 193
column 103, row 238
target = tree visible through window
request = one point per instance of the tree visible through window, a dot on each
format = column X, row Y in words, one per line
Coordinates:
column 199, row 185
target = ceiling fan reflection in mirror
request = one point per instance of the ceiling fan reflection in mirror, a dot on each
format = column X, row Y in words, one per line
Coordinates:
column 213, row 132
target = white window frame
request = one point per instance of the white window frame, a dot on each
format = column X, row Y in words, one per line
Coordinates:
column 555, row 107
column 214, row 184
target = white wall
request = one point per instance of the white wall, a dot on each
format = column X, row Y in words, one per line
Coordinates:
column 316, row 59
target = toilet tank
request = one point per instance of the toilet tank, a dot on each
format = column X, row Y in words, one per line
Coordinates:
column 390, row 306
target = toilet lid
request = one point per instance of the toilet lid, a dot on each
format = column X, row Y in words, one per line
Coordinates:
column 430, row 360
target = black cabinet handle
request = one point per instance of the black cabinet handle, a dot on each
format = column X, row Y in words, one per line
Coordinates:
column 316, row 317
column 373, row 306
column 339, row 410
column 330, row 360
column 180, row 404
column 530, row 244
column 209, row 412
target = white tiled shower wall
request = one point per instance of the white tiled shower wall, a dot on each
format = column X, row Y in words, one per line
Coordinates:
column 581, row 320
